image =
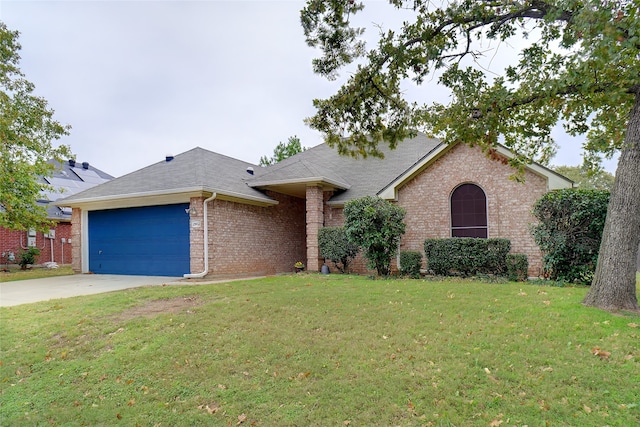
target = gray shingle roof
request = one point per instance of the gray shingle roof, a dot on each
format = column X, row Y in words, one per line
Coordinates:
column 196, row 168
column 202, row 169
column 361, row 177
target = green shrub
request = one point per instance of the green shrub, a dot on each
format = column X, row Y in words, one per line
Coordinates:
column 375, row 225
column 334, row 245
column 517, row 267
column 467, row 256
column 27, row 257
column 410, row 263
column 569, row 232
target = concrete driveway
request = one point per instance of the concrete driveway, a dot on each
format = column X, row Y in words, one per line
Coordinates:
column 34, row 290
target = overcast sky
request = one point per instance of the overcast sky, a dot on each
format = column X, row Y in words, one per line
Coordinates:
column 137, row 80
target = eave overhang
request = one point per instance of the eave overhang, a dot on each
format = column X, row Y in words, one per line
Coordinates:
column 161, row 197
column 297, row 187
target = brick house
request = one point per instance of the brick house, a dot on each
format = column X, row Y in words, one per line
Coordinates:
column 201, row 213
column 55, row 246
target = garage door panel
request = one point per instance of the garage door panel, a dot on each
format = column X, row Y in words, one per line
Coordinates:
column 145, row 241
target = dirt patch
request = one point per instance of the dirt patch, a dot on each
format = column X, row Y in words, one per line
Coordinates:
column 161, row 306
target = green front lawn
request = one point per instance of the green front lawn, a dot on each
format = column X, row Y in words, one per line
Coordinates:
column 313, row 350
column 15, row 273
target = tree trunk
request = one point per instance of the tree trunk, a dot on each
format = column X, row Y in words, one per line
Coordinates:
column 614, row 283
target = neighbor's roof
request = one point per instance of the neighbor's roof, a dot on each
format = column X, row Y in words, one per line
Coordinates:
column 67, row 179
column 197, row 172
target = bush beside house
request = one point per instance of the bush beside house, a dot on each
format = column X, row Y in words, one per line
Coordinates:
column 410, row 263
column 569, row 232
column 335, row 246
column 376, row 226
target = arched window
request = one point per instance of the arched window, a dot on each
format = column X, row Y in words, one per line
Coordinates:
column 468, row 212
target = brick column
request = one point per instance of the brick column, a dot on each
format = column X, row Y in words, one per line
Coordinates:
column 196, row 234
column 315, row 221
column 76, row 240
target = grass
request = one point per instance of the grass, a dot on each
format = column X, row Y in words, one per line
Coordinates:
column 33, row 273
column 313, row 350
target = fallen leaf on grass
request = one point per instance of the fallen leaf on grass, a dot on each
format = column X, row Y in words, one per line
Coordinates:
column 116, row 331
column 596, row 351
column 131, row 402
column 211, row 408
column 301, row 375
column 241, row 418
column 586, row 409
column 632, row 325
column 496, row 423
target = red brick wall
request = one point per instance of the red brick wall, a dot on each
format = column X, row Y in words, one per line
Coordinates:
column 254, row 239
column 16, row 241
column 196, row 234
column 10, row 241
column 426, row 199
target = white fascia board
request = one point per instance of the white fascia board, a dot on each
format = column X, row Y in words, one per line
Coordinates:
column 555, row 181
column 390, row 192
column 162, row 197
column 148, row 198
column 245, row 199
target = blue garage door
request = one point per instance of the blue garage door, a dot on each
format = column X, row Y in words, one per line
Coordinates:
column 143, row 241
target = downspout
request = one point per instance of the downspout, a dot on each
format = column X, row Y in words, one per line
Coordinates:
column 206, row 241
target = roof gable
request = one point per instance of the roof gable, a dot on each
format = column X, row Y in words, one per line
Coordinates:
column 350, row 177
column 554, row 179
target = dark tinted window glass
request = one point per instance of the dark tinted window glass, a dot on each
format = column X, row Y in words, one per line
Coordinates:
column 468, row 212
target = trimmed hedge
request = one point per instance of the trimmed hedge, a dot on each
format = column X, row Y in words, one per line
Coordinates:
column 410, row 263
column 467, row 256
column 517, row 267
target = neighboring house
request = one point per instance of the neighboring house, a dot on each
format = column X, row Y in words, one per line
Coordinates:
column 204, row 213
column 55, row 246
